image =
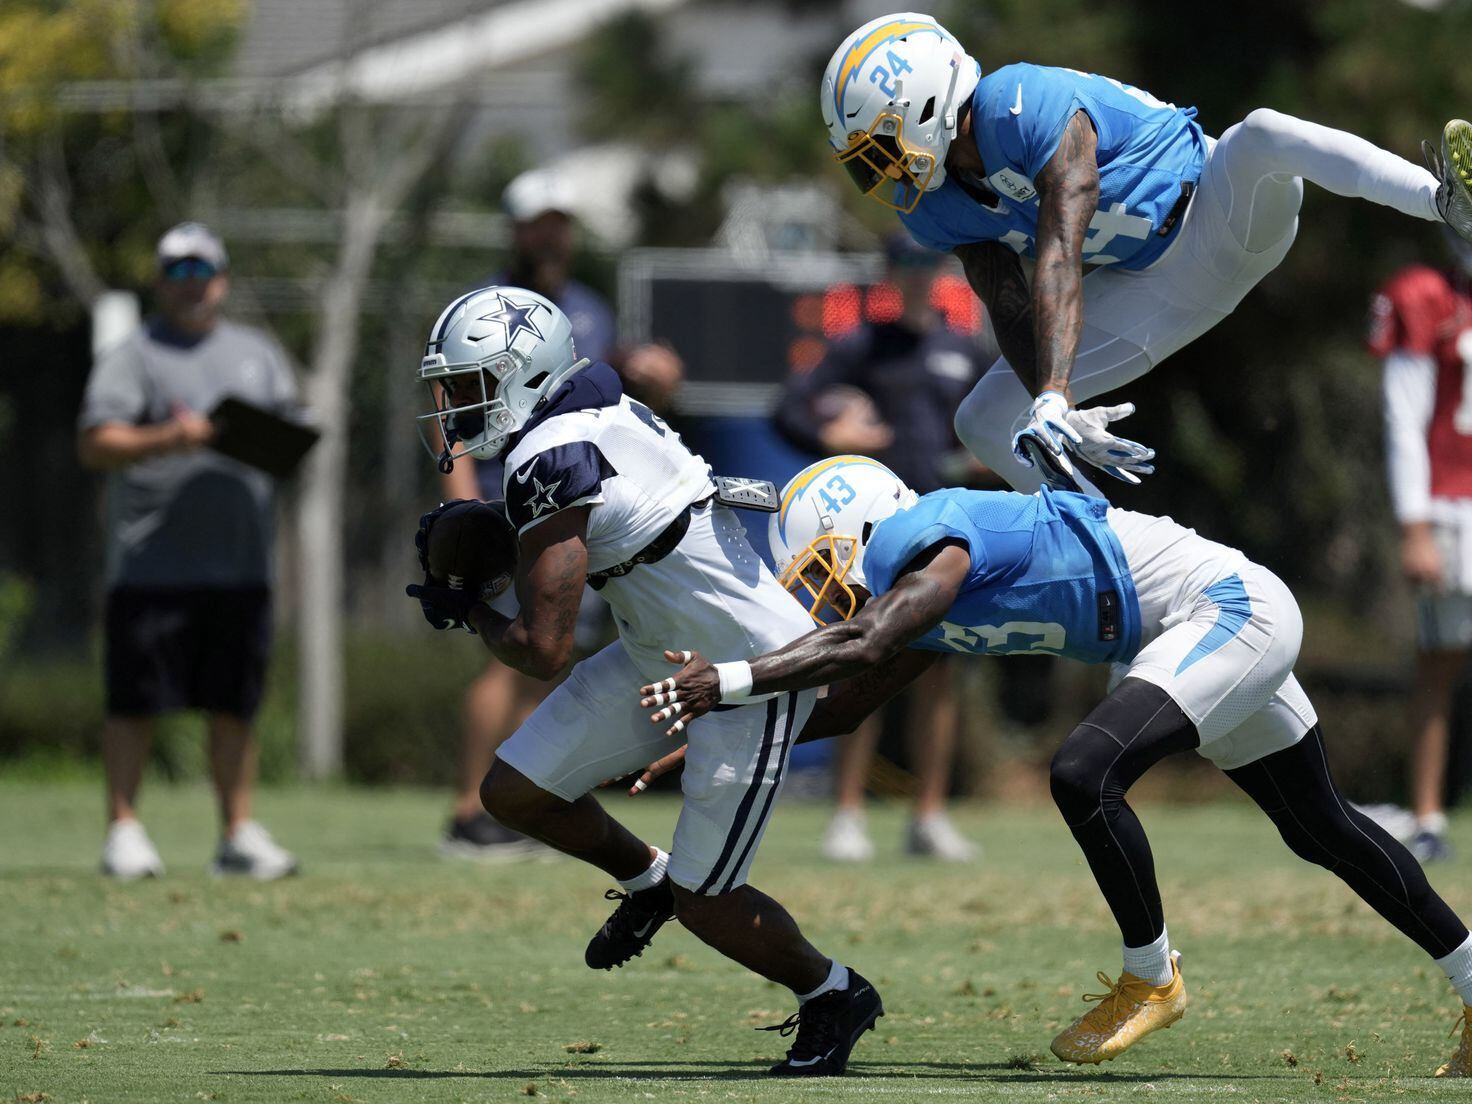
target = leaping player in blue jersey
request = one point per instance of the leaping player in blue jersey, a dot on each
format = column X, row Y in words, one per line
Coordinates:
column 1070, row 169
column 1202, row 642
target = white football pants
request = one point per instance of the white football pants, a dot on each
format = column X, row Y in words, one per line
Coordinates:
column 1236, row 230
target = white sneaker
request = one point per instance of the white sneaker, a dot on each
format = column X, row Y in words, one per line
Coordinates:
column 1398, row 822
column 846, row 839
column 128, row 853
column 252, row 851
column 936, row 837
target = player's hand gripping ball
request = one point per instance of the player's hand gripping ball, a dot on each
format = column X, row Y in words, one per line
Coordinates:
column 468, row 552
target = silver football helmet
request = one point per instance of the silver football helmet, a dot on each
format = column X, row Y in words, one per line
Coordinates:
column 492, row 357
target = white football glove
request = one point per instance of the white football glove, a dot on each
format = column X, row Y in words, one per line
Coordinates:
column 1047, row 426
column 1092, row 442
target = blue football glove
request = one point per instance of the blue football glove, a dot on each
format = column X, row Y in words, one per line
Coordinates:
column 1116, row 456
column 1039, row 443
column 1057, row 471
column 1048, row 428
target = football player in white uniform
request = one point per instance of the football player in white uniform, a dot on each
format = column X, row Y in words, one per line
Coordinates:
column 598, row 488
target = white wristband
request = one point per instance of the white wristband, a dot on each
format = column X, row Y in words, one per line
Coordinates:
column 735, row 680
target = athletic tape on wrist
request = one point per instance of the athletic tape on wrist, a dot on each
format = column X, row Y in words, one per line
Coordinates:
column 735, row 680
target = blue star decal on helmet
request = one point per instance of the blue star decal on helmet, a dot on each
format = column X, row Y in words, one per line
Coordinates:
column 515, row 317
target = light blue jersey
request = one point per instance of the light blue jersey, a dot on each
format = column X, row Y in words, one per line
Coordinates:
column 1047, row 574
column 1146, row 151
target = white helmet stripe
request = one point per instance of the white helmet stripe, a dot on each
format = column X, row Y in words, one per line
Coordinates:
column 437, row 338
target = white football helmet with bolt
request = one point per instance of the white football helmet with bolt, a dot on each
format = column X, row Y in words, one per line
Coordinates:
column 818, row 535
column 891, row 100
column 492, row 357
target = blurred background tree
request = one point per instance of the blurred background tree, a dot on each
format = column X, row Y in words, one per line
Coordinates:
column 116, row 119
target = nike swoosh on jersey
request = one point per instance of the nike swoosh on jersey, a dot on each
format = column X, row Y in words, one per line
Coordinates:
column 1016, row 108
column 525, row 473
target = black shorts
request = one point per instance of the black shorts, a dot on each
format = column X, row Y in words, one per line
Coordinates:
column 187, row 649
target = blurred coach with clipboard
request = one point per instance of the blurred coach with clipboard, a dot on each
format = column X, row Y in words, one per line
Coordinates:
column 190, row 416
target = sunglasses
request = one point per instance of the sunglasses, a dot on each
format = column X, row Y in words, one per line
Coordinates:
column 189, row 268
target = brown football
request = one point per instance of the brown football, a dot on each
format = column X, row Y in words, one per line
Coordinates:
column 472, row 546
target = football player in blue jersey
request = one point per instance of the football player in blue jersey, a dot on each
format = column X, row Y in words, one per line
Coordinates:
column 1202, row 642
column 1063, row 170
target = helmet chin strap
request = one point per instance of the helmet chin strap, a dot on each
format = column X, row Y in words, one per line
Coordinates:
column 947, row 113
column 948, row 122
column 446, row 463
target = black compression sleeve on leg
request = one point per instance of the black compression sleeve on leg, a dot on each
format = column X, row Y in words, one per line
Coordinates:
column 1128, row 733
column 1294, row 787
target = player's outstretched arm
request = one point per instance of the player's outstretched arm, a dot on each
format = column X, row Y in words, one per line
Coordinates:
column 552, row 569
column 1068, row 197
column 836, row 715
column 918, row 602
column 848, row 703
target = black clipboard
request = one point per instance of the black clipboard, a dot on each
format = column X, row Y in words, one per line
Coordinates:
column 259, row 437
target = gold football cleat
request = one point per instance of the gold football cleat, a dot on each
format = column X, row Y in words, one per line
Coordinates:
column 1461, row 1063
column 1130, row 1010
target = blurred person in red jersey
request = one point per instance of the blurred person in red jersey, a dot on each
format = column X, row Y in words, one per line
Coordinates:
column 1421, row 328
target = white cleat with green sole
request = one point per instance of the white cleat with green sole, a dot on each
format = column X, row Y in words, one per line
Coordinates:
column 1452, row 166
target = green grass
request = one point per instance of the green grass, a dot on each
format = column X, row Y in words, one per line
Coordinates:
column 385, row 974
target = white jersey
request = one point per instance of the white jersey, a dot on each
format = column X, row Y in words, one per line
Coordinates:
column 712, row 593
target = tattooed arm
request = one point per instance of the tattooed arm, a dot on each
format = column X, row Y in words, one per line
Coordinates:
column 852, row 700
column 552, row 570
column 995, row 274
column 1068, row 197
column 918, row 601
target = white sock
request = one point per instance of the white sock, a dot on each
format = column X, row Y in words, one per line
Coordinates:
column 837, row 979
column 651, row 877
column 1435, row 823
column 1458, row 968
column 1151, row 962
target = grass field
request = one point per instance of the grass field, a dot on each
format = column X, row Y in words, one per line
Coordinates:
column 386, row 974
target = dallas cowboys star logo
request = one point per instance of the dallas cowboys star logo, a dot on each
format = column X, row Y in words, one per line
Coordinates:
column 515, row 317
column 543, row 501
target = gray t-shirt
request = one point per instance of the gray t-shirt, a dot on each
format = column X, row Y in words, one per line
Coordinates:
column 187, row 519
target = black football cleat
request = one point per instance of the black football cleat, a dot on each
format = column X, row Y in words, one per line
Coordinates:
column 827, row 1028
column 632, row 927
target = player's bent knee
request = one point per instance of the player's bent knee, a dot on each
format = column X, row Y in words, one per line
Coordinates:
column 512, row 798
column 1075, row 781
column 983, row 423
column 1264, row 127
column 698, row 911
column 1312, row 839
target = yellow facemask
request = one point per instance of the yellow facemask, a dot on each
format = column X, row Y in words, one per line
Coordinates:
column 879, row 156
column 812, row 579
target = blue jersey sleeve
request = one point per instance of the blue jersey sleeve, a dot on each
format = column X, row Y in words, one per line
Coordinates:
column 1026, row 108
column 898, row 539
column 557, row 479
